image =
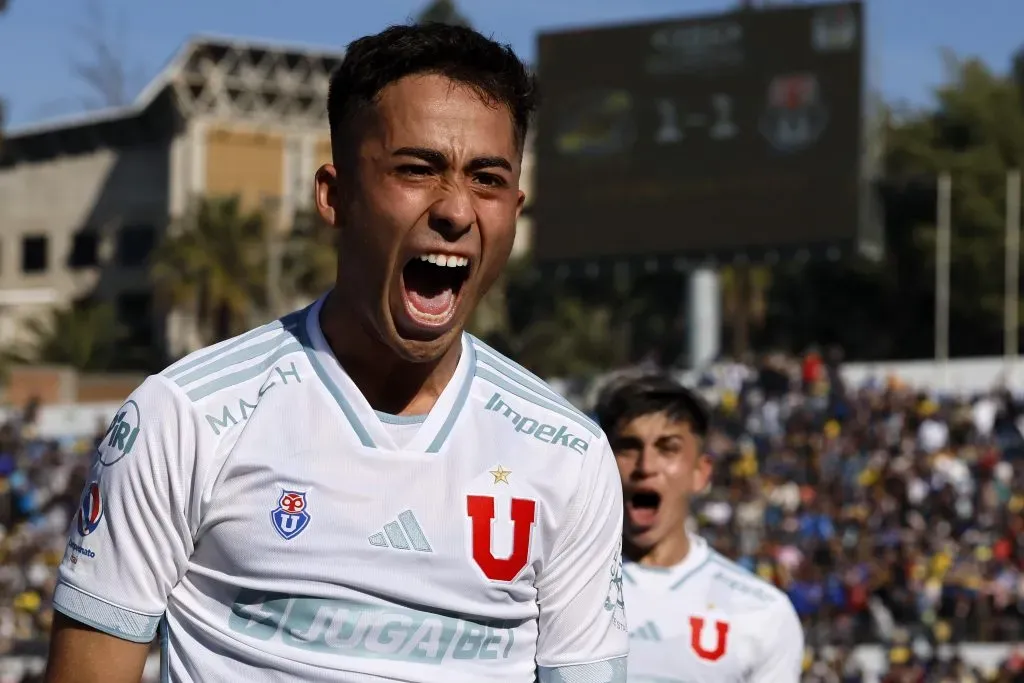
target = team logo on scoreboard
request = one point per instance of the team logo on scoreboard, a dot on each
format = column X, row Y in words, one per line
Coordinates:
column 596, row 124
column 290, row 517
column 833, row 29
column 795, row 116
column 90, row 509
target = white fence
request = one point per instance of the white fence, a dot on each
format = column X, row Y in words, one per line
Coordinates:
column 962, row 375
column 70, row 421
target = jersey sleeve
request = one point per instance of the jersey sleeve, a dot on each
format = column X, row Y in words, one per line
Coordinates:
column 582, row 623
column 783, row 660
column 131, row 539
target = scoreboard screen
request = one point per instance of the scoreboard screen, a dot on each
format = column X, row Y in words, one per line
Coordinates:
column 740, row 131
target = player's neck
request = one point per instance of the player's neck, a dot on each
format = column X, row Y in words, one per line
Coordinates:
column 388, row 382
column 668, row 552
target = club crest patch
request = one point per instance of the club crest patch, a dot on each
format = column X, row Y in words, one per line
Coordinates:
column 290, row 517
column 90, row 509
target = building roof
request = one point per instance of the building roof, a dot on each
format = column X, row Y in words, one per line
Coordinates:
column 215, row 73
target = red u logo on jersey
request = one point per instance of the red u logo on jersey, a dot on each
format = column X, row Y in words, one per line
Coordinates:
column 481, row 511
column 697, row 642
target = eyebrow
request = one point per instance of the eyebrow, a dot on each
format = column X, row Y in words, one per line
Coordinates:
column 438, row 160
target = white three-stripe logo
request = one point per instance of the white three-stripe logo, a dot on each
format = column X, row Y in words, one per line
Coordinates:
column 404, row 533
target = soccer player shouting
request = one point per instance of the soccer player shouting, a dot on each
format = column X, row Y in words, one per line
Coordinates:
column 361, row 491
column 694, row 616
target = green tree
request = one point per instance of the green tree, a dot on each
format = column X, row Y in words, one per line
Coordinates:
column 974, row 130
column 573, row 340
column 442, row 12
column 86, row 337
column 214, row 266
column 556, row 328
column 1017, row 71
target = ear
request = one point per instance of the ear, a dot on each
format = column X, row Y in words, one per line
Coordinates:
column 326, row 194
column 520, row 203
column 702, row 472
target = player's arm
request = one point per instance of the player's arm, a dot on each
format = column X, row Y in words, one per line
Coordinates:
column 582, row 624
column 81, row 653
column 130, row 542
column 783, row 658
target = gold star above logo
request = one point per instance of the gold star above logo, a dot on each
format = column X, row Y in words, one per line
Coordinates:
column 501, row 474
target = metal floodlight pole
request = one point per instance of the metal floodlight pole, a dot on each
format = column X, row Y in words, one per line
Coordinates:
column 1011, row 299
column 943, row 234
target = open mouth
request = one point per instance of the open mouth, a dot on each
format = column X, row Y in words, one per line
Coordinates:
column 431, row 285
column 642, row 508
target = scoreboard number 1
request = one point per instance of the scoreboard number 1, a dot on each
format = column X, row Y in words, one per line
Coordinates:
column 672, row 124
column 723, row 127
column 668, row 129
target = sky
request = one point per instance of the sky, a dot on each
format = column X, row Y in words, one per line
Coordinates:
column 40, row 39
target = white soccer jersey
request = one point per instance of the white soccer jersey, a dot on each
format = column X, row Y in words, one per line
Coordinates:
column 252, row 501
column 708, row 620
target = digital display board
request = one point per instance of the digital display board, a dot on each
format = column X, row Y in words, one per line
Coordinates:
column 734, row 132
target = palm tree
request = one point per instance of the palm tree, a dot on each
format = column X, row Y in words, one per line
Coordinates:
column 86, row 337
column 213, row 265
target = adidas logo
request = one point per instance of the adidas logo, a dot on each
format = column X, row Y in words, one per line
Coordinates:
column 648, row 631
column 403, row 534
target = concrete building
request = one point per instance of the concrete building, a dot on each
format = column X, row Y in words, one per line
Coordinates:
column 84, row 201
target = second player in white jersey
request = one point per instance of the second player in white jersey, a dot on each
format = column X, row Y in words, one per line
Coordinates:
column 694, row 616
column 707, row 620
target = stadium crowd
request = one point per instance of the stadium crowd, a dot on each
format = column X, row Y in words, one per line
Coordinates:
column 885, row 514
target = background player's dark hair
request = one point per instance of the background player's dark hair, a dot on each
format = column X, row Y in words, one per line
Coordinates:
column 461, row 54
column 631, row 397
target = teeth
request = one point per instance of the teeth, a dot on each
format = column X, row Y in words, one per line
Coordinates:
column 445, row 261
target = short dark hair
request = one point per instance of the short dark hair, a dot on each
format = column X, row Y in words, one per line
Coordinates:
column 373, row 62
column 631, row 397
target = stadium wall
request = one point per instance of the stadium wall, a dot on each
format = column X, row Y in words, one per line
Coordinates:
column 55, row 385
column 960, row 376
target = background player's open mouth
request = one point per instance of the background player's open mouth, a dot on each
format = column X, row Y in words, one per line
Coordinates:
column 431, row 284
column 642, row 508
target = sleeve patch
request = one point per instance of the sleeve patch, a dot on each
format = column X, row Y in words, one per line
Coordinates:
column 111, row 619
column 608, row 671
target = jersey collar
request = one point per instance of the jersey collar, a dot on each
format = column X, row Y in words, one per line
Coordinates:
column 696, row 557
column 432, row 435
